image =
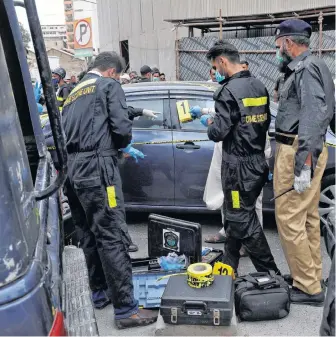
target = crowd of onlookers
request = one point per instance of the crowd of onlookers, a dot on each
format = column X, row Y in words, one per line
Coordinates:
column 147, row 74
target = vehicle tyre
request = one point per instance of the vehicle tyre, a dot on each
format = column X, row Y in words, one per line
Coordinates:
column 80, row 319
column 327, row 198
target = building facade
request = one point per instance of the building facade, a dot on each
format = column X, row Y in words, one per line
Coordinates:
column 54, row 36
column 69, row 21
column 138, row 29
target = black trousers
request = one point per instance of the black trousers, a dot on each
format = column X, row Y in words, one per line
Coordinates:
column 94, row 191
column 242, row 184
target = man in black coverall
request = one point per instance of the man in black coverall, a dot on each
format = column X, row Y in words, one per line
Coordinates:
column 241, row 122
column 97, row 125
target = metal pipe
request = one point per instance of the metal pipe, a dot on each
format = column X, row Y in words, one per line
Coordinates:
column 320, row 21
column 220, row 25
column 251, row 21
column 177, row 51
column 53, row 113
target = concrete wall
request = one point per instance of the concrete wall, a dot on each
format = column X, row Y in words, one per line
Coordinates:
column 54, row 43
column 72, row 65
column 152, row 41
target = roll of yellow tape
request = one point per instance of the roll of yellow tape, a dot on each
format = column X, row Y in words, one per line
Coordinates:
column 200, row 275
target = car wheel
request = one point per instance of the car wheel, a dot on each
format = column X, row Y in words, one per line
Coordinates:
column 327, row 198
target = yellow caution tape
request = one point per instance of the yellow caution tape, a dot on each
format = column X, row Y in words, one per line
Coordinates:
column 200, row 275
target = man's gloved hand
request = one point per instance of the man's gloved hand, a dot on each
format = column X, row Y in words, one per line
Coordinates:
column 132, row 152
column 37, row 91
column 150, row 114
column 196, row 111
column 39, row 108
column 303, row 182
column 205, row 120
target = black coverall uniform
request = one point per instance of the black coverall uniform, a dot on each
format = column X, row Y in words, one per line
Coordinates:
column 241, row 122
column 62, row 94
column 97, row 124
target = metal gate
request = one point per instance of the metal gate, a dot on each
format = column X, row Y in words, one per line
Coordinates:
column 192, row 64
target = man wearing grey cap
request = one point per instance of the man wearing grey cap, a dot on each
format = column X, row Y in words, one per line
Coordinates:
column 306, row 107
column 146, row 74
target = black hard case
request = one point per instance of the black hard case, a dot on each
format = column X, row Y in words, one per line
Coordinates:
column 189, row 236
column 213, row 305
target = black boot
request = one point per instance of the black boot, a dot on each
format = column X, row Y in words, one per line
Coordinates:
column 297, row 296
column 142, row 318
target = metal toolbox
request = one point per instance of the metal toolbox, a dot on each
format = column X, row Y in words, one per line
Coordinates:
column 213, row 305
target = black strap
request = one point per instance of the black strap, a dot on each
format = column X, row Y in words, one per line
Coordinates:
column 287, row 140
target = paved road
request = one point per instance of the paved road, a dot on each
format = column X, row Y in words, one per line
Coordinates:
column 302, row 320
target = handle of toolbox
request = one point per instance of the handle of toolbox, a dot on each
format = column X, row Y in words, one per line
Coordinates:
column 194, row 305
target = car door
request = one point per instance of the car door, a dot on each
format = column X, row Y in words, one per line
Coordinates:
column 192, row 150
column 150, row 181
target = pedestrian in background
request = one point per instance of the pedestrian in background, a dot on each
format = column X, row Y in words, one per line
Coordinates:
column 63, row 89
column 162, row 77
column 212, row 75
column 133, row 75
column 146, row 74
column 125, row 79
column 245, row 65
column 306, row 107
column 156, row 76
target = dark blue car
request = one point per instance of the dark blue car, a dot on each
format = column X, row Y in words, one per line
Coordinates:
column 173, row 174
column 44, row 286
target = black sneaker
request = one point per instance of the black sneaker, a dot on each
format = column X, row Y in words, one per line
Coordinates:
column 142, row 318
column 297, row 296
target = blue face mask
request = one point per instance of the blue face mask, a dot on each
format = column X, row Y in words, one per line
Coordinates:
column 55, row 82
column 279, row 56
column 219, row 77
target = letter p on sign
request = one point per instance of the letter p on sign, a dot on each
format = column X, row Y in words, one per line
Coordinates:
column 83, row 34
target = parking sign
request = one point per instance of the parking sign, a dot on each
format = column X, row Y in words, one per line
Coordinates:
column 83, row 34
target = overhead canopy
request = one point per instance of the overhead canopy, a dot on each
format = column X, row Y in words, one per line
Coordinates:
column 245, row 21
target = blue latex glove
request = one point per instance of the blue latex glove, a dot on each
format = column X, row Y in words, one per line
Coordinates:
column 133, row 152
column 204, row 120
column 37, row 91
column 40, row 108
column 196, row 111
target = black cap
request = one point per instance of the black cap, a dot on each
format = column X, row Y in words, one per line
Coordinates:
column 145, row 70
column 293, row 27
